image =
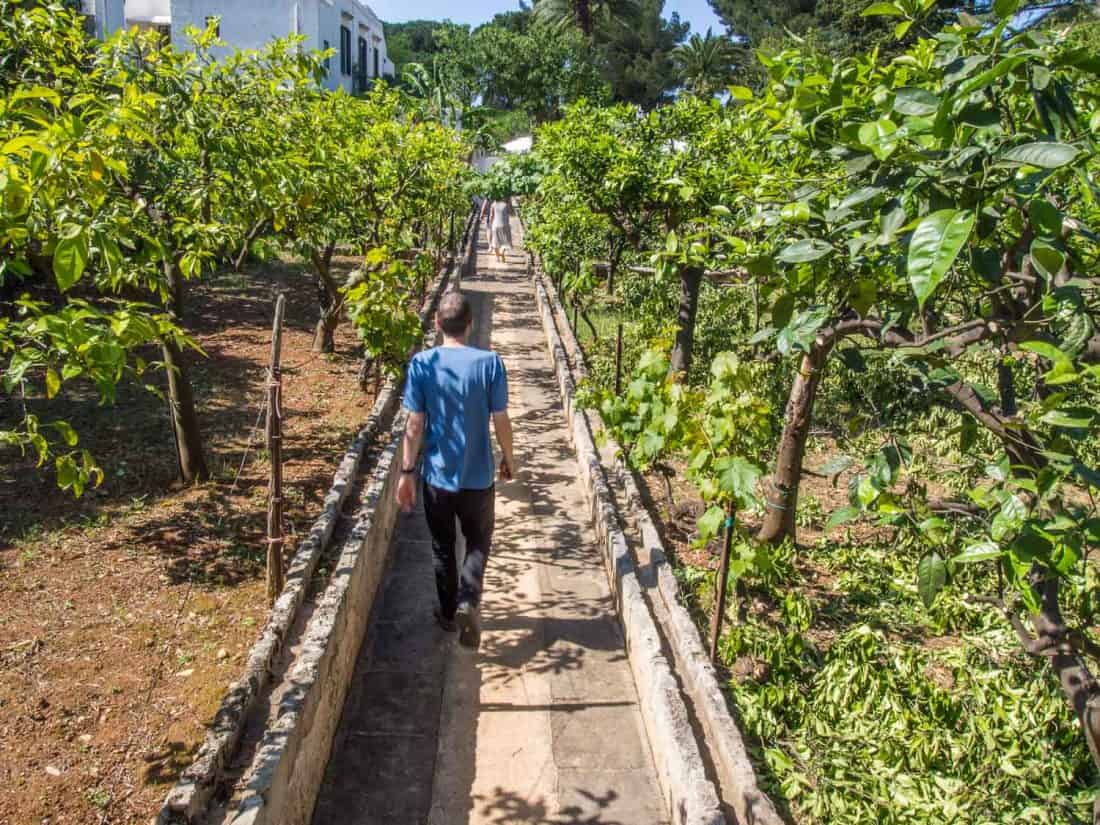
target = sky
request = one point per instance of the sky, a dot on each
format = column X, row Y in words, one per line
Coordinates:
column 697, row 12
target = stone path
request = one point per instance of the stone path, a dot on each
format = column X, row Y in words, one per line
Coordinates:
column 541, row 726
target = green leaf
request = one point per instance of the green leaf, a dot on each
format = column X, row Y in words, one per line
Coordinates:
column 882, row 10
column 1045, row 218
column 70, row 258
column 1043, row 154
column 710, row 523
column 917, row 102
column 837, row 465
column 1078, row 418
column 805, row 251
column 737, row 478
column 859, row 196
column 795, row 213
column 866, row 491
column 1048, row 351
column 931, row 577
column 1064, row 557
column 936, row 244
column 934, row 530
column 1048, row 259
column 863, row 296
column 880, row 136
column 842, row 515
column 67, row 433
column 799, row 334
column 1005, row 8
column 53, row 383
column 782, row 310
column 190, row 265
column 1010, row 518
column 740, row 93
column 982, row 551
column 67, row 472
column 651, row 444
column 989, row 75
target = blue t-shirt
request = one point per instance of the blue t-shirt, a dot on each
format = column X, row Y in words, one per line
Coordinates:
column 458, row 388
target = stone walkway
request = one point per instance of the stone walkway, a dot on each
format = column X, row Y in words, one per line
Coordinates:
column 541, row 726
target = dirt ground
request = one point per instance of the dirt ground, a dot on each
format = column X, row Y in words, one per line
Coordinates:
column 125, row 615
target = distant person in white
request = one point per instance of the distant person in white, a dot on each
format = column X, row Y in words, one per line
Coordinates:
column 500, row 236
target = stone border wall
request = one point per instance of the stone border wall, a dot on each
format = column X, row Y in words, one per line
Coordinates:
column 190, row 797
column 736, row 777
column 689, row 795
column 282, row 783
column 286, row 774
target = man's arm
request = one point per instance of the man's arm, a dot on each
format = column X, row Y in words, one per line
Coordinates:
column 410, row 450
column 502, row 425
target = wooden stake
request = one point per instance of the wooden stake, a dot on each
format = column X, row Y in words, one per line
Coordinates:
column 720, row 586
column 275, row 575
column 619, row 359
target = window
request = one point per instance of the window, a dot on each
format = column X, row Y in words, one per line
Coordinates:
column 362, row 67
column 328, row 57
column 345, row 50
column 375, row 63
column 216, row 22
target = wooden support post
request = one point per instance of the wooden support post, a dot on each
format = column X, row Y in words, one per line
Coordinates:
column 275, row 575
column 720, row 586
column 619, row 359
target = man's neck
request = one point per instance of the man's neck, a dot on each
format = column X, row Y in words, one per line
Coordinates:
column 453, row 342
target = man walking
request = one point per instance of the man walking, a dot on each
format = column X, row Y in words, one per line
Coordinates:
column 451, row 392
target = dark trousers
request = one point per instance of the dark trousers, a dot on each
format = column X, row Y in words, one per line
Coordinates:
column 474, row 509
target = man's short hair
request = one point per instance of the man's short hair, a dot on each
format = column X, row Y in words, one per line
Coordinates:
column 455, row 314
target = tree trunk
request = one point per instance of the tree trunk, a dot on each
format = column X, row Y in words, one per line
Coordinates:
column 1052, row 637
column 1006, row 387
column 181, row 399
column 332, row 302
column 238, row 260
column 583, row 11
column 185, row 420
column 690, row 280
column 782, row 495
column 177, row 287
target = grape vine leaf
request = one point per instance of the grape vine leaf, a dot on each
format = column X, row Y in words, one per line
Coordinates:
column 710, row 523
column 737, row 478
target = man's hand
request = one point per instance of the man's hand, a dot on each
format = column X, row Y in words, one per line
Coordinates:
column 406, row 492
column 503, row 426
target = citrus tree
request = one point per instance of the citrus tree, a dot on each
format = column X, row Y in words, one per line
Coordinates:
column 130, row 168
column 929, row 218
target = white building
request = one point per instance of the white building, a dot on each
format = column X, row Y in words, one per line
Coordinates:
column 104, row 16
column 349, row 27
